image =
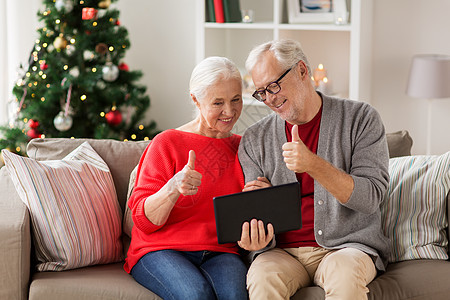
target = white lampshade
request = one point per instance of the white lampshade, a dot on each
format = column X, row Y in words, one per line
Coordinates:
column 429, row 76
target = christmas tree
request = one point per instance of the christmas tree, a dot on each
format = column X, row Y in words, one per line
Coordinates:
column 76, row 83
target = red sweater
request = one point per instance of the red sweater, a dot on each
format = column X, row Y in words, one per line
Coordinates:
column 304, row 237
column 191, row 224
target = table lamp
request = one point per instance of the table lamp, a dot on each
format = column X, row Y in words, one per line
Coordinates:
column 429, row 78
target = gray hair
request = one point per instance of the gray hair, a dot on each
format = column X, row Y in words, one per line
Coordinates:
column 287, row 52
column 209, row 71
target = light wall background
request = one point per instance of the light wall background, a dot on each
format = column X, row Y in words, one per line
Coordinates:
column 163, row 39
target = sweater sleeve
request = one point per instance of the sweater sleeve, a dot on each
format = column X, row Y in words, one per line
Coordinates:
column 369, row 164
column 155, row 168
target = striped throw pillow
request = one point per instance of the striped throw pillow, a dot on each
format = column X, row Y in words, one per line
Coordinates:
column 76, row 218
column 413, row 212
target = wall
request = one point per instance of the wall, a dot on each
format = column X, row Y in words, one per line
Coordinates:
column 403, row 28
column 162, row 35
column 165, row 50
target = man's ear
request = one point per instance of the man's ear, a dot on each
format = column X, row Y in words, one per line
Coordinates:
column 302, row 68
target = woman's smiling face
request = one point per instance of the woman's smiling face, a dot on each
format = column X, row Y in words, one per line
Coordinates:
column 220, row 107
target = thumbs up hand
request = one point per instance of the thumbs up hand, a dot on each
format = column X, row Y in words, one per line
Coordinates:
column 187, row 181
column 296, row 154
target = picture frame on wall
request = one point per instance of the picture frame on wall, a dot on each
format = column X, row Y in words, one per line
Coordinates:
column 317, row 11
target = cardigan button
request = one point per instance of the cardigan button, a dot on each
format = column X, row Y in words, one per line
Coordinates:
column 320, row 232
column 320, row 202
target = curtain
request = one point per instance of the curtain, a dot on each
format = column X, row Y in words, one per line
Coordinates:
column 18, row 25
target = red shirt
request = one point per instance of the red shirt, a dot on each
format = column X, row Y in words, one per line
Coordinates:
column 191, row 224
column 309, row 134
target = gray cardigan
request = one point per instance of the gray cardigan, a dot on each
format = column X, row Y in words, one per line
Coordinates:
column 352, row 138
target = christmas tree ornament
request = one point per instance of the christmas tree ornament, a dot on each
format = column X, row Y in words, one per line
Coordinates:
column 43, row 66
column 104, row 4
column 75, row 72
column 110, row 72
column 124, row 67
column 60, row 42
column 33, row 124
column 101, row 84
column 66, row 4
column 70, row 49
column 88, row 55
column 88, row 13
column 101, row 48
column 114, row 117
column 33, row 133
column 62, row 121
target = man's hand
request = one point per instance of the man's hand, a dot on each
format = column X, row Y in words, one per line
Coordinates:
column 296, row 154
column 254, row 235
column 259, row 183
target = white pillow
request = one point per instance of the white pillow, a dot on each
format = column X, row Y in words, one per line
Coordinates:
column 414, row 210
column 73, row 205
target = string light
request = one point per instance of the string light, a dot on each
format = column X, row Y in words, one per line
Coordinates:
column 141, row 127
column 111, row 48
column 34, row 68
column 133, row 136
column 94, row 69
column 44, row 45
column 65, row 67
column 25, row 120
column 94, row 24
column 44, row 76
column 102, row 114
column 18, row 149
column 42, row 99
column 28, row 74
column 72, row 41
column 83, row 97
column 146, row 138
column 58, row 21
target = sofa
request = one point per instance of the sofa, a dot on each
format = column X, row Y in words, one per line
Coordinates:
column 410, row 279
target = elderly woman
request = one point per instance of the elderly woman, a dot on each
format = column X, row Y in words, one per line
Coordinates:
column 174, row 250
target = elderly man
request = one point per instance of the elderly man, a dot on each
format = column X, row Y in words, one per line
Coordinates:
column 337, row 150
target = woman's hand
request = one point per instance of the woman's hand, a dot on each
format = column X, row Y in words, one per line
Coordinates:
column 254, row 235
column 187, row 181
column 259, row 183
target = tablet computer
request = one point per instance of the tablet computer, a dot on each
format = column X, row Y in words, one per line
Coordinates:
column 279, row 205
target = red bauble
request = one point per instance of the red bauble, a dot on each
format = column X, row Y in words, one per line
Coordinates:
column 124, row 67
column 114, row 117
column 33, row 133
column 33, row 124
column 117, row 22
column 44, row 66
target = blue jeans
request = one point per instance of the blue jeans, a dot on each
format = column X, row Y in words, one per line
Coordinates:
column 192, row 275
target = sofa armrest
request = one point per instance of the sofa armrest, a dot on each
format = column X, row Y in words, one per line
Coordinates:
column 448, row 224
column 15, row 245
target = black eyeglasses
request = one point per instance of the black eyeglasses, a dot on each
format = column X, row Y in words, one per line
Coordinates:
column 273, row 88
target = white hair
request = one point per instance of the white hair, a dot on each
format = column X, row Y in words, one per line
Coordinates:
column 209, row 71
column 287, row 52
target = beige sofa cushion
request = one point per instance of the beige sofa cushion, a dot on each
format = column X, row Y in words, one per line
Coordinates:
column 414, row 210
column 121, row 157
column 73, row 204
column 399, row 143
